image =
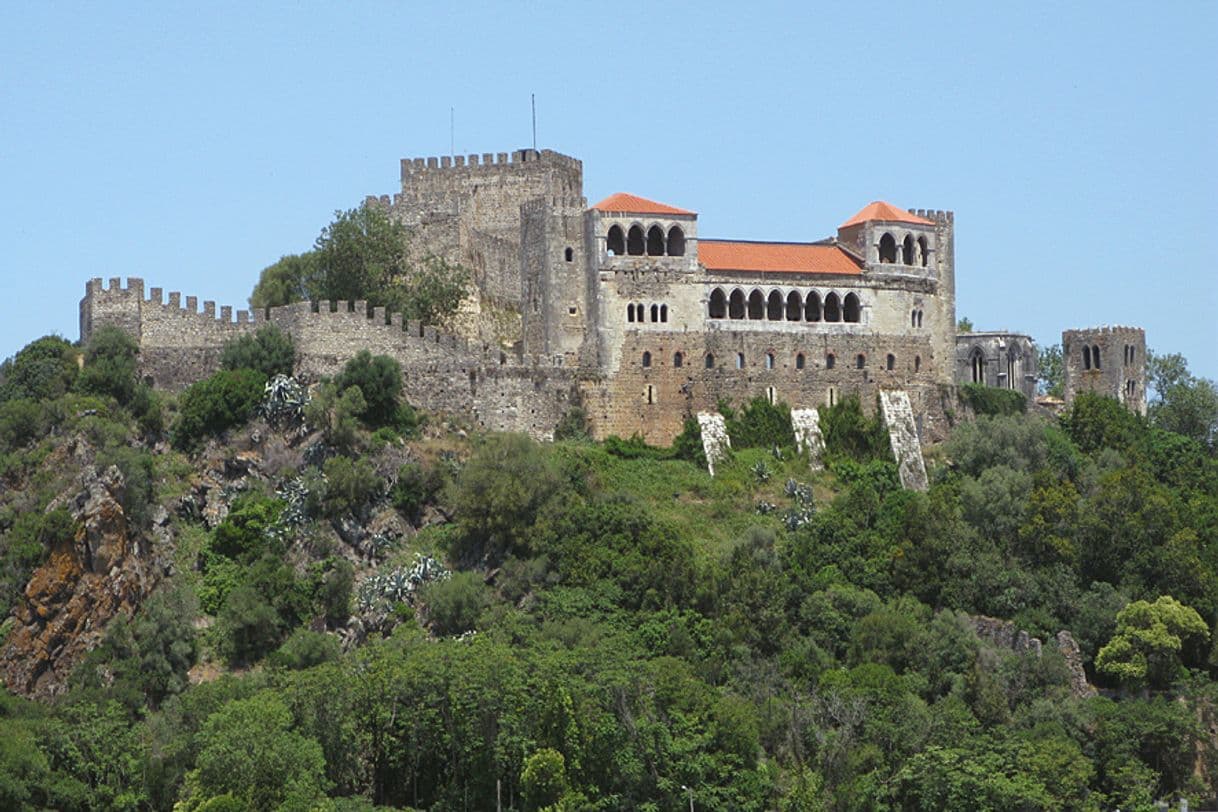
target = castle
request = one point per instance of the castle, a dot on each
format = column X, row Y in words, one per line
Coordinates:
column 622, row 309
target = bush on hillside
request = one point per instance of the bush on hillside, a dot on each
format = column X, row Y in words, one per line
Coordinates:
column 379, row 378
column 760, row 424
column 850, row 433
column 990, row 400
column 269, row 351
column 110, row 365
column 216, row 404
column 42, row 370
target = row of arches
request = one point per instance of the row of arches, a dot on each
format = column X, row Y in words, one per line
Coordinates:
column 653, row 243
column 801, row 361
column 1091, row 357
column 638, row 313
column 908, row 252
column 794, row 306
column 1014, row 368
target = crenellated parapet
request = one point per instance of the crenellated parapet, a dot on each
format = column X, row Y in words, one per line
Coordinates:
column 486, row 162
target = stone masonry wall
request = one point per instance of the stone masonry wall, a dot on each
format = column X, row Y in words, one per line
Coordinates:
column 1121, row 369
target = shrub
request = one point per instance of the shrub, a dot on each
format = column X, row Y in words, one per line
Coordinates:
column 573, row 425
column 334, row 592
column 416, row 486
column 139, row 476
column 379, row 379
column 247, row 627
column 455, row 603
column 991, row 400
column 213, row 405
column 305, row 649
column 350, row 486
column 21, row 421
column 110, row 365
column 42, row 370
column 335, row 413
column 243, row 535
column 761, row 425
column 850, row 433
column 269, row 351
column 688, row 444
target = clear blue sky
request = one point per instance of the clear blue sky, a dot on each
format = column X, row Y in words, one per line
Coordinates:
column 194, row 144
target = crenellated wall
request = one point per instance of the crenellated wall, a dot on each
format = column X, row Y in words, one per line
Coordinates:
column 441, row 372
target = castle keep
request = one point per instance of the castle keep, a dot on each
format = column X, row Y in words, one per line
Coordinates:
column 622, row 308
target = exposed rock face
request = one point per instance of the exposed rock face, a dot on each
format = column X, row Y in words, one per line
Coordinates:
column 715, row 442
column 85, row 582
column 806, row 423
column 1005, row 634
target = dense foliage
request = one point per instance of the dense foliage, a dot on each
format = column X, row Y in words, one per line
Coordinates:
column 441, row 621
column 269, row 351
column 363, row 254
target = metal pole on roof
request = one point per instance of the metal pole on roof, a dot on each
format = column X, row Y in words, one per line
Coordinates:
column 533, row 100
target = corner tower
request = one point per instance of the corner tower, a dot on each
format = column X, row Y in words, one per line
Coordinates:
column 912, row 253
column 1109, row 361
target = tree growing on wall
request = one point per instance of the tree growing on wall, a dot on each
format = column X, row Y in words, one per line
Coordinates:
column 363, row 254
column 1050, row 371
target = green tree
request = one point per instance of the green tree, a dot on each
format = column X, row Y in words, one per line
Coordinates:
column 1146, row 649
column 379, row 379
column 351, row 485
column 213, row 405
column 456, row 603
column 110, row 365
column 1182, row 402
column 336, row 413
column 964, row 325
column 432, row 291
column 268, row 351
column 361, row 254
column 543, row 779
column 42, row 370
column 248, row 627
column 249, row 750
column 289, row 280
column 1050, row 371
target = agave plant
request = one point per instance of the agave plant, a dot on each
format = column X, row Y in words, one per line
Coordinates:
column 761, row 471
column 283, row 399
column 764, row 507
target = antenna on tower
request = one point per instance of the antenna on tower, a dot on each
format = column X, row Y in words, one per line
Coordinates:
column 452, row 131
column 533, row 99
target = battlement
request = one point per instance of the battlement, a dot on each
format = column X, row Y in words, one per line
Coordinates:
column 492, row 161
column 1103, row 330
column 935, row 214
column 114, row 292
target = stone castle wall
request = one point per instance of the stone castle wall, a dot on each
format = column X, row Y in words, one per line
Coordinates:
column 441, row 372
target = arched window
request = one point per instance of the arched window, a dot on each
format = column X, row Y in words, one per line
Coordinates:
column 922, row 251
column 799, row 361
column 756, row 305
column 774, row 308
column 913, row 318
column 735, row 307
column 978, row 367
column 676, row 242
column 907, row 250
column 919, row 318
column 739, row 360
column 1086, row 357
column 640, row 315
column 678, row 360
column 655, row 242
column 630, row 312
column 710, row 361
column 664, row 313
column 833, row 308
column 616, row 243
column 860, row 361
column 634, row 241
column 917, row 363
column 646, row 359
column 769, row 360
column 795, row 306
column 1095, row 356
column 655, row 313
column 830, row 361
column 888, row 249
column 812, row 307
column 890, row 362
column 569, row 254
column 1012, row 368
column 718, row 304
column 851, row 308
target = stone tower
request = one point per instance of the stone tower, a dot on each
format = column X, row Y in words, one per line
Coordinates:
column 554, row 298
column 1108, row 361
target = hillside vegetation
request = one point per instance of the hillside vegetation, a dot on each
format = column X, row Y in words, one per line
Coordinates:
column 250, row 597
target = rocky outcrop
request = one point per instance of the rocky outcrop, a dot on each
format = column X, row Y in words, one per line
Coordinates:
column 88, row 579
column 716, row 445
column 1005, row 634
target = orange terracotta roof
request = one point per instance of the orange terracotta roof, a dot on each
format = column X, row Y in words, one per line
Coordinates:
column 633, row 204
column 886, row 212
column 776, row 257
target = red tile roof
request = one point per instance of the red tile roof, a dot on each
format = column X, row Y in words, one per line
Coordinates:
column 633, row 204
column 776, row 257
column 886, row 212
